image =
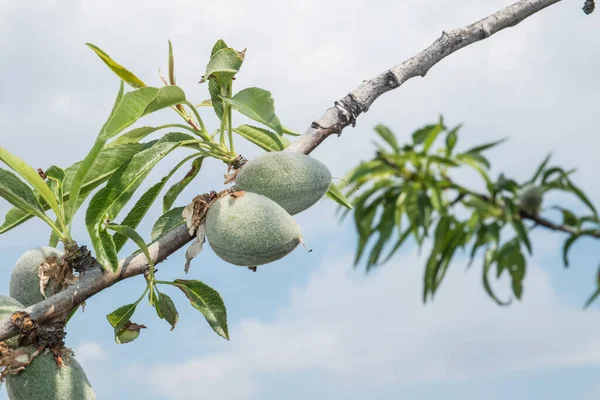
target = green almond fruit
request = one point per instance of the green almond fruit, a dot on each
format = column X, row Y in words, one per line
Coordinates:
column 44, row 380
column 8, row 306
column 24, row 280
column 530, row 198
column 295, row 181
column 248, row 229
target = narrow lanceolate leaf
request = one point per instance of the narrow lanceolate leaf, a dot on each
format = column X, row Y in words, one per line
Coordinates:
column 540, row 169
column 264, row 138
column 17, row 193
column 257, row 104
column 171, row 65
column 127, row 110
column 137, row 239
column 290, row 132
column 120, row 316
column 223, row 65
column 487, row 264
column 106, row 163
column 117, row 68
column 336, row 195
column 121, row 186
column 428, row 131
column 137, row 213
column 167, row 310
column 133, row 136
column 81, row 173
column 387, row 135
column 567, row 245
column 568, row 217
column 141, row 207
column 167, row 222
column 579, row 193
column 106, row 252
column 138, row 103
column 483, row 147
column 208, row 301
column 451, row 139
column 32, row 177
column 521, row 231
column 175, row 190
column 214, row 89
column 592, row 298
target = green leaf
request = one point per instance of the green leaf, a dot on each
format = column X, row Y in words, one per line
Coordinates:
column 120, row 316
column 579, row 193
column 483, row 147
column 106, row 252
column 133, row 136
column 387, row 135
column 167, row 310
column 81, row 174
column 208, row 301
column 568, row 217
column 129, row 333
column 141, row 207
column 137, row 213
column 175, row 190
column 433, row 135
column 166, row 222
column 385, row 229
column 267, row 140
column 17, row 193
column 223, row 65
column 420, row 135
column 138, row 103
column 569, row 242
column 517, row 223
column 592, row 298
column 290, row 132
column 214, row 88
column 451, row 139
column 473, row 159
column 109, row 201
column 336, row 195
column 32, row 177
column 433, row 262
column 171, row 65
column 118, row 69
column 137, row 239
column 256, row 104
column 540, row 169
column 487, row 264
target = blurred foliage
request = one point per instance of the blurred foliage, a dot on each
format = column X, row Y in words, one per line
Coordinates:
column 406, row 191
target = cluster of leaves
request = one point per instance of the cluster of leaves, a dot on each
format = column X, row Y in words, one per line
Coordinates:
column 119, row 162
column 406, row 191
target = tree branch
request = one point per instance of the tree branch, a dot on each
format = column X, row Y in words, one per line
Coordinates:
column 334, row 120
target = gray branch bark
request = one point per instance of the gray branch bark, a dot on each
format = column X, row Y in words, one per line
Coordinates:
column 334, row 120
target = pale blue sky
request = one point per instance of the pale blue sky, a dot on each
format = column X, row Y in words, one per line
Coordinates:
column 310, row 326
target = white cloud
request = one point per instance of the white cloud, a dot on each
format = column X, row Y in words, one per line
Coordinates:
column 89, row 352
column 350, row 329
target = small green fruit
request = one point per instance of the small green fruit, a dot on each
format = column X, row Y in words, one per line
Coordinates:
column 530, row 198
column 8, row 305
column 295, row 181
column 249, row 229
column 44, row 380
column 25, row 282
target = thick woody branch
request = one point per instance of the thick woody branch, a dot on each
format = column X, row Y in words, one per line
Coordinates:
column 346, row 110
column 334, row 120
